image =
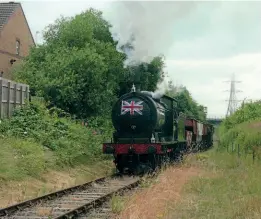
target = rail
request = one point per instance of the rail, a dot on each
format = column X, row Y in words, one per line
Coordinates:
column 72, row 201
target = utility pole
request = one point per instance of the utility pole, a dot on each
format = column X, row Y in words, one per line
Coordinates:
column 232, row 102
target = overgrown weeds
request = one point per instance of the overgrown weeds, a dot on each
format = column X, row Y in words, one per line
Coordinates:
column 43, row 150
column 118, row 203
column 36, row 138
column 230, row 188
column 20, row 158
column 242, row 129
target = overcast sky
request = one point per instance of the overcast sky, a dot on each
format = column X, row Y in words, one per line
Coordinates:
column 212, row 41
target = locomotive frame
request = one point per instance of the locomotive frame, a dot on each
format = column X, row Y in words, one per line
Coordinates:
column 149, row 131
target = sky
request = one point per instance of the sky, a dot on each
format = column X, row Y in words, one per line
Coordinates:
column 203, row 47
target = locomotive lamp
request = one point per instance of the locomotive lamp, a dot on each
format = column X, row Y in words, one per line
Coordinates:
column 152, row 140
column 131, row 150
column 133, row 89
column 133, row 127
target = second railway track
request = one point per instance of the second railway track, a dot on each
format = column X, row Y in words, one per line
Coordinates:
column 71, row 202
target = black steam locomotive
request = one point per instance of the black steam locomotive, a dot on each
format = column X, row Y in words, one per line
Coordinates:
column 149, row 131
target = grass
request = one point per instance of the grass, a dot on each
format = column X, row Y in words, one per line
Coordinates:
column 28, row 187
column 230, row 188
column 209, row 185
column 42, row 152
column 19, row 158
column 29, row 170
column 152, row 197
column 117, row 203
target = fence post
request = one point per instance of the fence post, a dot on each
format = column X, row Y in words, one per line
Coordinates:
column 21, row 95
column 238, row 153
column 14, row 101
column 26, row 93
column 8, row 99
column 1, row 98
column 254, row 155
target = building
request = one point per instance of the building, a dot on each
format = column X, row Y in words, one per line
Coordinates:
column 15, row 36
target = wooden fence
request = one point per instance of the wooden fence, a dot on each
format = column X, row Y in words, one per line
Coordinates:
column 12, row 94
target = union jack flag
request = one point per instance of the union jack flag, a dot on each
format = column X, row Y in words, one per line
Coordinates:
column 131, row 107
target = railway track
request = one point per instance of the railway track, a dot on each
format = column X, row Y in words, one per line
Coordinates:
column 72, row 202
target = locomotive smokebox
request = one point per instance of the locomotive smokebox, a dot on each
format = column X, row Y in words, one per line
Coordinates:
column 138, row 115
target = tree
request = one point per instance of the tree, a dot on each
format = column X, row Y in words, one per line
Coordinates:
column 78, row 68
column 144, row 75
column 186, row 104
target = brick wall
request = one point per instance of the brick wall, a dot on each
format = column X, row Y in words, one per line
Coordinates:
column 15, row 29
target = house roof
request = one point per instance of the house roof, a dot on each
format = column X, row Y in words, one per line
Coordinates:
column 6, row 10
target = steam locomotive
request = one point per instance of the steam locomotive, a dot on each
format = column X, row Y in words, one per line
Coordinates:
column 150, row 131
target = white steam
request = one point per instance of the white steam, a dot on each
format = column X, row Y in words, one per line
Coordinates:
column 151, row 24
column 164, row 86
column 161, row 89
column 148, row 26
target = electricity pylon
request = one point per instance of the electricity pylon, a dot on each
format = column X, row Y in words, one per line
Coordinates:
column 232, row 102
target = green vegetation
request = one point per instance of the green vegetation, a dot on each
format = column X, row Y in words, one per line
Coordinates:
column 79, row 69
column 242, row 128
column 36, row 139
column 117, row 203
column 229, row 187
column 186, row 103
column 20, row 158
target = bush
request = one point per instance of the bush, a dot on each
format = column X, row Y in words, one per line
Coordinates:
column 243, row 127
column 70, row 142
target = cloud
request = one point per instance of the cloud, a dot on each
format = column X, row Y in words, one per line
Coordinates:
column 206, row 78
column 218, row 29
column 41, row 13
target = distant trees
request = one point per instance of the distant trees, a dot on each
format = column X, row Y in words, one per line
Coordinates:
column 246, row 113
column 186, row 103
column 242, row 129
column 145, row 76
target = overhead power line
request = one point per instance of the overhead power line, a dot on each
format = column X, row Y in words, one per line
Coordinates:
column 232, row 102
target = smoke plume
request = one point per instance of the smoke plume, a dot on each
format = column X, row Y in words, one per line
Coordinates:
column 161, row 89
column 148, row 27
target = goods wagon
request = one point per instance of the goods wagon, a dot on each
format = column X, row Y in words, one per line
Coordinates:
column 199, row 134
